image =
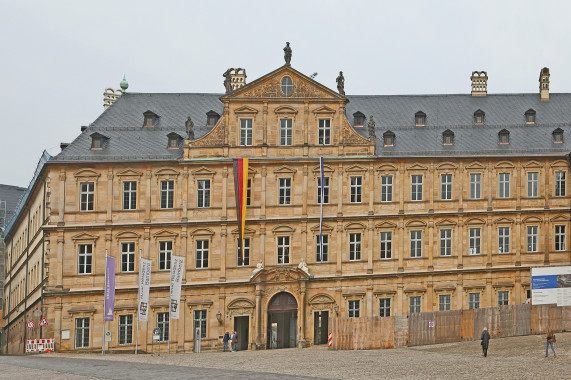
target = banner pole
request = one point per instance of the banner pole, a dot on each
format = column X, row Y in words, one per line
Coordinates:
column 103, row 314
column 138, row 305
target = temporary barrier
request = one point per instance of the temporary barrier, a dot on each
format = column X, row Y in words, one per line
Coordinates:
column 330, row 340
column 40, row 345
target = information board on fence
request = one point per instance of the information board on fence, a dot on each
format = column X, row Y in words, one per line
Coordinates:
column 551, row 285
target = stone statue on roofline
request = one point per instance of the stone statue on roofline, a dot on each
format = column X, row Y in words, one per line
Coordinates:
column 189, row 128
column 287, row 54
column 372, row 128
column 228, row 80
column 341, row 84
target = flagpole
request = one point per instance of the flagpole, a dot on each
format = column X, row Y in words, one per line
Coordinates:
column 321, row 211
column 138, row 306
column 103, row 314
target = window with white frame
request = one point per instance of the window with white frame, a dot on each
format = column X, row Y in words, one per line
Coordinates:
column 475, row 235
column 384, row 307
column 246, row 259
column 355, row 246
column 81, row 332
column 504, row 185
column 356, row 189
column 200, row 322
column 532, row 238
column 560, row 238
column 503, row 298
column 249, row 193
column 285, row 132
column 129, row 195
column 386, row 244
column 284, row 191
column 503, row 240
column 86, row 196
column 203, row 196
column 532, row 184
column 325, row 190
column 84, row 256
column 324, row 132
column 126, row 329
column 386, row 188
column 167, row 194
column 202, row 254
column 473, row 301
column 163, row 324
column 283, row 249
column 165, row 253
column 446, row 187
column 414, row 303
column 127, row 257
column 245, row 132
column 354, row 308
column 445, row 242
column 559, row 184
column 321, row 258
column 416, row 187
column 444, row 302
column 415, row 243
column 475, row 186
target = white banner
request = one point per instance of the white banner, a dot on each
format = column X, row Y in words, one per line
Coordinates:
column 144, row 285
column 551, row 285
column 177, row 269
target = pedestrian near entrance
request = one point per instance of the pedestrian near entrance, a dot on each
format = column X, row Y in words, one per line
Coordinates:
column 225, row 341
column 233, row 341
column 550, row 336
column 485, row 337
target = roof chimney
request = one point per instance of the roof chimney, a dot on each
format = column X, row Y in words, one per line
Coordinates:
column 83, row 128
column 479, row 83
column 544, row 84
column 110, row 96
column 63, row 145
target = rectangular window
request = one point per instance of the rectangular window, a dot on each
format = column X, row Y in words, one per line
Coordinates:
column 167, row 194
column 84, row 258
column 200, row 322
column 444, row 302
column 325, row 190
column 384, row 307
column 86, row 196
column 356, row 189
column 532, row 182
column 560, row 238
column 318, row 257
column 246, row 261
column 415, row 304
column 446, row 187
column 559, row 184
column 503, row 298
column 245, row 132
column 415, row 243
column 285, row 131
column 81, row 332
column 474, row 301
column 163, row 324
column 445, row 242
column 203, row 196
column 165, row 252
column 504, row 185
column 324, row 132
column 532, row 238
column 354, row 309
column 475, row 234
column 386, row 188
column 355, row 247
column 416, row 187
column 202, row 254
column 129, row 195
column 386, row 245
column 127, row 257
column 126, row 329
column 283, row 249
column 503, row 240
column 285, row 191
column 475, row 185
column 249, row 193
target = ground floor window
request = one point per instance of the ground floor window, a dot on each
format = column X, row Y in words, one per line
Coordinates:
column 415, row 304
column 444, row 302
column 385, row 307
column 354, row 309
column 200, row 322
column 163, row 324
column 81, row 332
column 473, row 300
column 126, row 329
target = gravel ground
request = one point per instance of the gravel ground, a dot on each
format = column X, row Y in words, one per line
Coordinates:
column 508, row 358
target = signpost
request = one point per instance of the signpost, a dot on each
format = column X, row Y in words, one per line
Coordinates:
column 157, row 337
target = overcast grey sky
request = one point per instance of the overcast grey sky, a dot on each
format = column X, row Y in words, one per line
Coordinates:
column 59, row 56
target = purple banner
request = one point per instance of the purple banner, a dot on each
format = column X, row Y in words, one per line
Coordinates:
column 109, row 288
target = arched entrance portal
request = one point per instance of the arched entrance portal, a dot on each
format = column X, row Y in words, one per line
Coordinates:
column 282, row 321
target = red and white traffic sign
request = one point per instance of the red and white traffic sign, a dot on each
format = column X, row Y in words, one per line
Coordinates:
column 43, row 322
column 30, row 324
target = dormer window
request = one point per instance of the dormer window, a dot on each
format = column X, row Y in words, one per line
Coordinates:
column 150, row 119
column 530, row 116
column 212, row 118
column 479, row 117
column 504, row 136
column 358, row 119
column 388, row 138
column 174, row 140
column 419, row 119
column 558, row 136
column 97, row 141
column 448, row 137
column 287, row 86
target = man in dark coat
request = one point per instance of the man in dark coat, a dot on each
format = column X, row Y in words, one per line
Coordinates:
column 225, row 341
column 485, row 340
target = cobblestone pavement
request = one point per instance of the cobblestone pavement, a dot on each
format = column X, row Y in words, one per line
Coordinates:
column 508, row 358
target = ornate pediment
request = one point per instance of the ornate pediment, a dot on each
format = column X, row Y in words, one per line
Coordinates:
column 241, row 303
column 213, row 138
column 321, row 299
column 279, row 274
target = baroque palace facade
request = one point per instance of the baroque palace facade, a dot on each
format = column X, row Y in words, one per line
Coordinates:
column 431, row 202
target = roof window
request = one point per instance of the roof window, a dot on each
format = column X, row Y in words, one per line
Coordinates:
column 558, row 136
column 479, row 117
column 150, row 119
column 530, row 116
column 419, row 119
column 504, row 136
column 388, row 138
column 174, row 140
column 358, row 119
column 97, row 140
column 212, row 118
column 448, row 137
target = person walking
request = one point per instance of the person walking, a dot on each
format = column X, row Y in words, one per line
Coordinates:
column 225, row 341
column 485, row 337
column 236, row 339
column 550, row 336
column 233, row 341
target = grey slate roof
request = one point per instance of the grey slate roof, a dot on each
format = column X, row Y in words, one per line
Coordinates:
column 10, row 194
column 128, row 140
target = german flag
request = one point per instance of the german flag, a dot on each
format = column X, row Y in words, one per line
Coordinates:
column 241, row 190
